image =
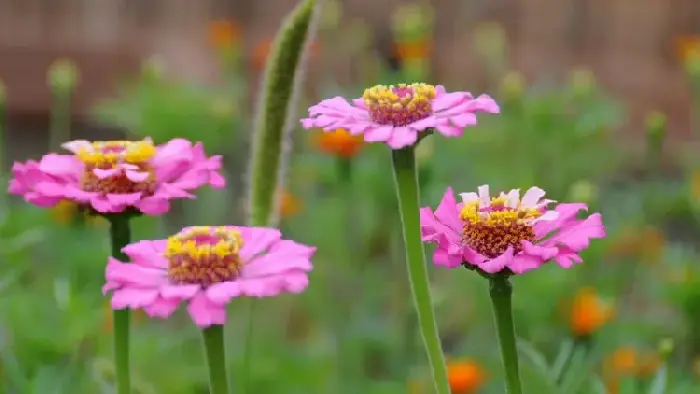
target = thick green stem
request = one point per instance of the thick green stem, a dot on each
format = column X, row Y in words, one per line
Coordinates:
column 60, row 120
column 121, row 236
column 406, row 177
column 501, row 293
column 216, row 359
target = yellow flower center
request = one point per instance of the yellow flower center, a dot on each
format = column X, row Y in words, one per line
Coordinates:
column 491, row 230
column 204, row 255
column 109, row 155
column 399, row 105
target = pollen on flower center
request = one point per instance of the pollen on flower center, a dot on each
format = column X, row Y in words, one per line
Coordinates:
column 130, row 161
column 204, row 255
column 491, row 230
column 399, row 105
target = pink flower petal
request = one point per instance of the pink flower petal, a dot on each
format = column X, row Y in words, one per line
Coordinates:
column 180, row 292
column 133, row 298
column 134, row 274
column 61, row 165
column 104, row 174
column 123, row 200
column 206, row 313
column 153, row 205
column 77, row 146
column 378, row 133
column 402, row 137
column 282, row 256
column 497, row 264
column 256, row 240
column 137, row 176
column 161, row 307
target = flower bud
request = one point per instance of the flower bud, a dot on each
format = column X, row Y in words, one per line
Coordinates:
column 583, row 82
column 513, row 86
column 63, row 75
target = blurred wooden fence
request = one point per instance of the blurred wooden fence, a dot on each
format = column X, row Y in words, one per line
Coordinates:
column 629, row 44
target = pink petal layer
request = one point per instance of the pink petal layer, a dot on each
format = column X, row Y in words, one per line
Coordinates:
column 180, row 167
column 272, row 266
column 561, row 239
column 452, row 112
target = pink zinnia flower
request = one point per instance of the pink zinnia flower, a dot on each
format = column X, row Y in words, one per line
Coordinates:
column 400, row 115
column 112, row 176
column 206, row 267
column 507, row 232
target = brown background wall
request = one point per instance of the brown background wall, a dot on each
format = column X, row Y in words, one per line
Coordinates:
column 629, row 45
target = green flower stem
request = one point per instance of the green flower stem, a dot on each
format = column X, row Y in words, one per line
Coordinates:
column 405, row 175
column 345, row 369
column 121, row 236
column 216, row 358
column 501, row 293
column 59, row 131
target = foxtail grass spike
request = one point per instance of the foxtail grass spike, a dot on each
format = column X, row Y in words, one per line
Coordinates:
column 271, row 139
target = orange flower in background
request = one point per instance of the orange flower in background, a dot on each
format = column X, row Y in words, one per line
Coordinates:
column 465, row 376
column 289, row 205
column 262, row 50
column 589, row 312
column 139, row 317
column 339, row 143
column 626, row 362
column 646, row 243
column 413, row 50
column 686, row 46
column 695, row 186
column 223, row 33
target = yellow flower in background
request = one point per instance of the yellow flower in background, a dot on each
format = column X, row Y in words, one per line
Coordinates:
column 289, row 205
column 338, row 143
column 589, row 312
column 67, row 212
column 465, row 376
column 223, row 33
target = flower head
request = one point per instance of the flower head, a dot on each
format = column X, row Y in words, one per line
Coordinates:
column 68, row 212
column 206, row 267
column 400, row 114
column 465, row 376
column 289, row 205
column 113, row 176
column 339, row 143
column 507, row 233
column 223, row 33
column 627, row 362
column 589, row 312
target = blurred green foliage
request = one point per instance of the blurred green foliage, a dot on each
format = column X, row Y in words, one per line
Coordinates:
column 354, row 330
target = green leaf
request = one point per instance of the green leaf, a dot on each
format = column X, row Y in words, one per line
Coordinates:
column 659, row 384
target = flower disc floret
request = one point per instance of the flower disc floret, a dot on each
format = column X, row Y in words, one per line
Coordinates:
column 204, row 255
column 399, row 105
column 507, row 233
column 104, row 161
column 491, row 230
